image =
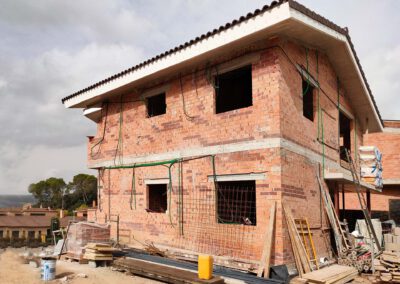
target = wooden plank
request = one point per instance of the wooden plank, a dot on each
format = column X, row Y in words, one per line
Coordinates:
column 266, row 255
column 330, row 274
column 163, row 273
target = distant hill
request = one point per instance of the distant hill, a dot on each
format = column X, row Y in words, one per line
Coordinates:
column 15, row 200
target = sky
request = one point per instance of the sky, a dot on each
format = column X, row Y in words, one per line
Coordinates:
column 50, row 49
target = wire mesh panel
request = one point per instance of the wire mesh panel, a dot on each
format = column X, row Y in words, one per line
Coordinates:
column 236, row 202
column 220, row 219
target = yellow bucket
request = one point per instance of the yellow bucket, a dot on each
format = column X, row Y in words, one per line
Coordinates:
column 205, row 269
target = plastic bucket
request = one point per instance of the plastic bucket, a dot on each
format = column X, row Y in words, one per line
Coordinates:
column 48, row 268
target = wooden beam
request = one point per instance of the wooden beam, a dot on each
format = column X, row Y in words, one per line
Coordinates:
column 266, row 255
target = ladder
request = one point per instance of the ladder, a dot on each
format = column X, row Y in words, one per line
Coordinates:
column 363, row 203
column 343, row 244
column 303, row 228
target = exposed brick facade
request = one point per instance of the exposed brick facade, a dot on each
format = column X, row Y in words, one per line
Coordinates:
column 245, row 144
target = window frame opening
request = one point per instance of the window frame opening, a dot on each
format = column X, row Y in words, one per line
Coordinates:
column 345, row 124
column 230, row 91
column 158, row 203
column 308, row 99
column 31, row 235
column 156, row 105
column 15, row 234
column 236, row 202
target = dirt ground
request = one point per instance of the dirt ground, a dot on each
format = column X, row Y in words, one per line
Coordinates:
column 12, row 271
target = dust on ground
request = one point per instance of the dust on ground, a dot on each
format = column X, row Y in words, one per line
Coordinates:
column 13, row 271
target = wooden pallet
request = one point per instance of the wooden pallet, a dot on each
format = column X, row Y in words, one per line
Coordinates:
column 162, row 273
column 72, row 257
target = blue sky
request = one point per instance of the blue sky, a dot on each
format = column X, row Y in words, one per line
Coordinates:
column 49, row 49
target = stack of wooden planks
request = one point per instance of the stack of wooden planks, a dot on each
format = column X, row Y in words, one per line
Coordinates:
column 159, row 272
column 96, row 251
column 335, row 274
column 301, row 257
column 387, row 266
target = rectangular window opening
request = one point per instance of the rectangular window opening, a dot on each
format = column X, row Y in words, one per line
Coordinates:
column 345, row 137
column 308, row 100
column 233, row 90
column 31, row 235
column 15, row 234
column 157, row 198
column 236, row 202
column 156, row 105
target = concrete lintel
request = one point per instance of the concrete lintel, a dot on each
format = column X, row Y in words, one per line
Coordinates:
column 156, row 181
column 391, row 181
column 238, row 177
column 346, row 177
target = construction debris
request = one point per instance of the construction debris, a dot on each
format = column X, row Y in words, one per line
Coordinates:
column 387, row 266
column 153, row 250
column 359, row 258
column 335, row 274
column 392, row 241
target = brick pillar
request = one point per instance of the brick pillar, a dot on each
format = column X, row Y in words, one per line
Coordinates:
column 369, row 201
column 336, row 198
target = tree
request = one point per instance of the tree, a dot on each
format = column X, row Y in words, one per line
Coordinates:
column 55, row 193
column 81, row 190
column 49, row 192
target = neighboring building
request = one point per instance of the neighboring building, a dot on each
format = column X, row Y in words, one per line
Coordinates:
column 28, row 210
column 25, row 222
column 79, row 215
column 194, row 145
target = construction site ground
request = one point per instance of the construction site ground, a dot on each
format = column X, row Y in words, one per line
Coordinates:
column 12, row 271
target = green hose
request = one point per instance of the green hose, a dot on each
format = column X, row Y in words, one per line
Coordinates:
column 142, row 165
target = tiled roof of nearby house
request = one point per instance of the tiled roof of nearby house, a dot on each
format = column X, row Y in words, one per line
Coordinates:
column 65, row 220
column 25, row 221
column 20, row 209
column 293, row 4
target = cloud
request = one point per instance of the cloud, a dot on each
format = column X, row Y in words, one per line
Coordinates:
column 22, row 166
column 382, row 65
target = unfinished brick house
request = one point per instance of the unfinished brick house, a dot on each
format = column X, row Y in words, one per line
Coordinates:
column 194, row 145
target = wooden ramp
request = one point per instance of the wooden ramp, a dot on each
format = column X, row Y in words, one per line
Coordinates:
column 160, row 272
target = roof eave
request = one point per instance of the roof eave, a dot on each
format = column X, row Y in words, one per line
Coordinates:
column 261, row 24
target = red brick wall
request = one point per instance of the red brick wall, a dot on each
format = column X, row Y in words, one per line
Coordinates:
column 389, row 145
column 379, row 201
column 276, row 112
column 144, row 136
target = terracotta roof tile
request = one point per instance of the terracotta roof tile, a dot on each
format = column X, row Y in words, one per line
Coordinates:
column 25, row 221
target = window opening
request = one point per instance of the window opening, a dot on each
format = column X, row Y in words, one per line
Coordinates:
column 157, row 198
column 345, row 137
column 308, row 100
column 236, row 202
column 234, row 90
column 156, row 105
